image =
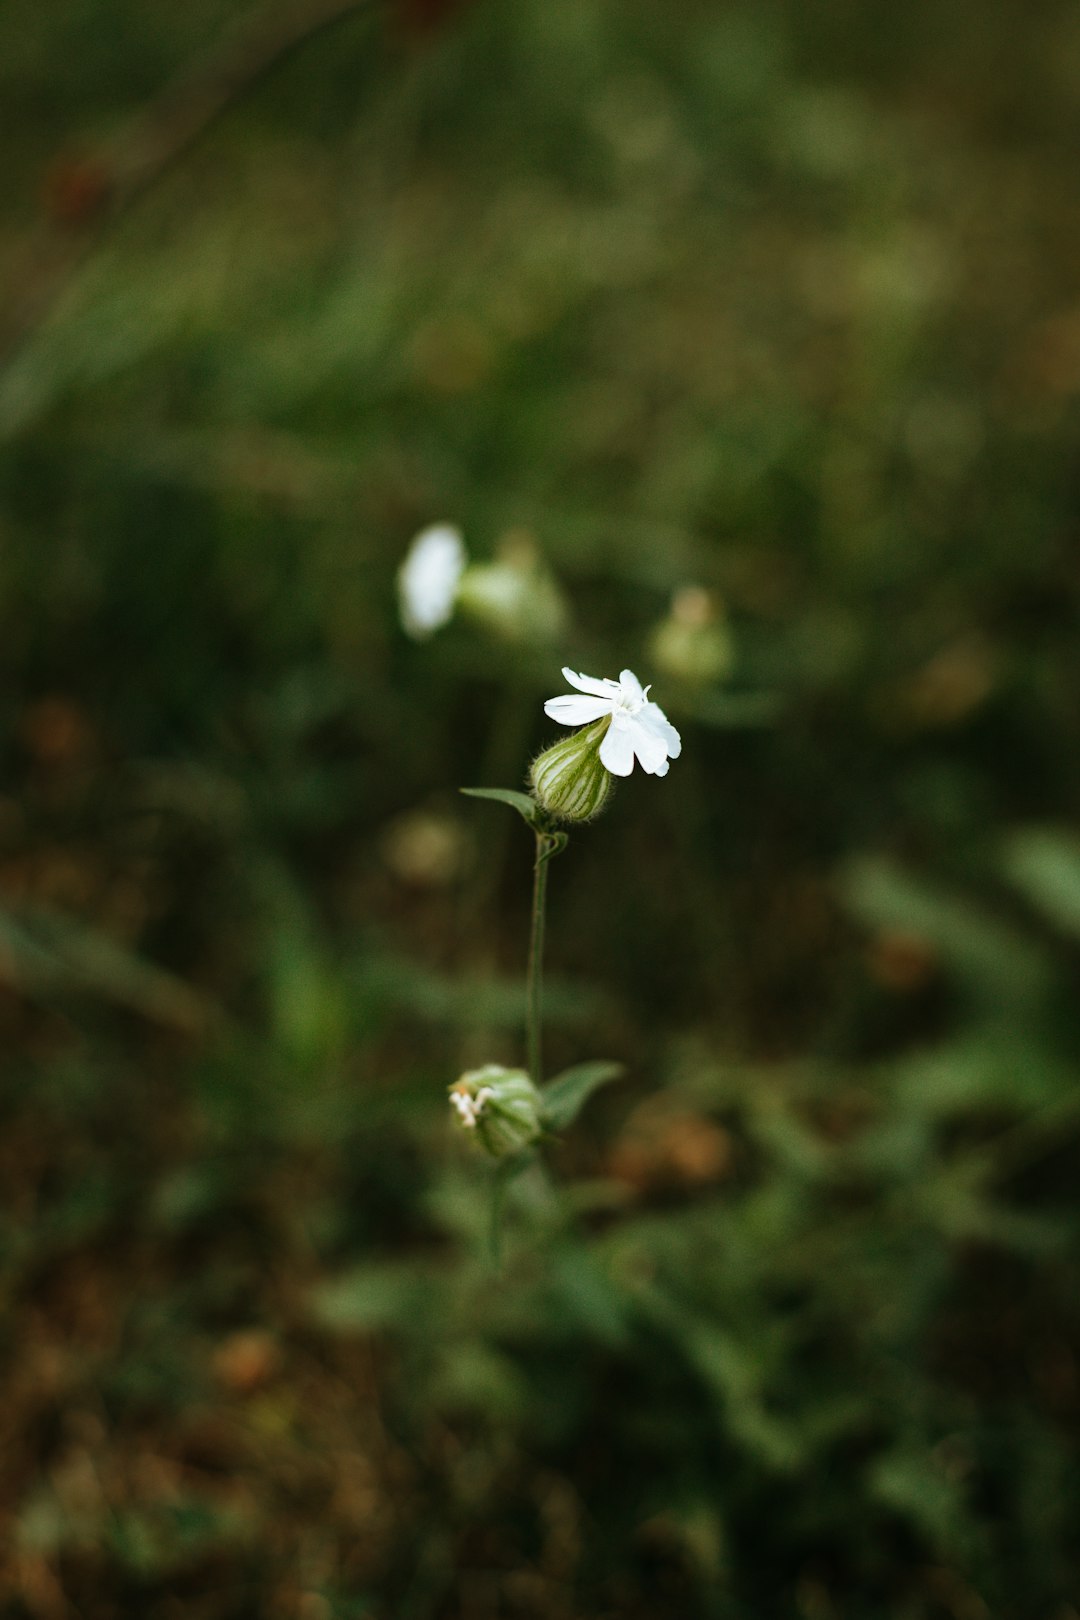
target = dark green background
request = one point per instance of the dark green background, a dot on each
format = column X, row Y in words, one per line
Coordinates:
column 778, row 300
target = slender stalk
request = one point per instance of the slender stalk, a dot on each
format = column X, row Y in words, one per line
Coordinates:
column 534, row 995
column 547, row 845
column 499, row 1179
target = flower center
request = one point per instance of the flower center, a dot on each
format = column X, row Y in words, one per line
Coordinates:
column 628, row 703
column 470, row 1108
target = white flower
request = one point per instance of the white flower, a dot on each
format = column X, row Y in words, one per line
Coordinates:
column 428, row 579
column 639, row 728
column 469, row 1108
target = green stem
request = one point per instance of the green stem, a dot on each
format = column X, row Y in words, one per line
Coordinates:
column 495, row 1229
column 544, row 851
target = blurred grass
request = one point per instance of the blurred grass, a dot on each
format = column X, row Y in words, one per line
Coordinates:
column 776, row 303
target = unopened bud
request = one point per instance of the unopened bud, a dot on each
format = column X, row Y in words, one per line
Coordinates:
column 514, row 596
column 499, row 1108
column 568, row 779
column 693, row 643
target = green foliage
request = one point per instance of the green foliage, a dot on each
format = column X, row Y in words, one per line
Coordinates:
column 527, row 808
column 757, row 326
column 566, row 1095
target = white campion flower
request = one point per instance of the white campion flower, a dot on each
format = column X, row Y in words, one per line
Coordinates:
column 428, row 579
column 639, row 729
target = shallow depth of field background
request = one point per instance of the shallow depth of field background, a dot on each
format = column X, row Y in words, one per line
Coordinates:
column 774, row 301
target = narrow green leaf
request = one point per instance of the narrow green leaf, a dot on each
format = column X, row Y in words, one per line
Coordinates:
column 566, row 1095
column 1045, row 865
column 371, row 1297
column 998, row 964
column 45, row 952
column 526, row 808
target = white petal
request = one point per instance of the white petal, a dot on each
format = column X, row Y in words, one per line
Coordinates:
column 649, row 748
column 576, row 711
column 631, row 685
column 428, row 578
column 617, row 750
column 653, row 718
column 588, row 683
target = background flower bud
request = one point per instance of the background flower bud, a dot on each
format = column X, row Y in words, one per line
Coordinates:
column 569, row 779
column 499, row 1108
column 693, row 643
column 515, row 596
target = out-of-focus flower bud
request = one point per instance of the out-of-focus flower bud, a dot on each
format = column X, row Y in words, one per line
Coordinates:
column 693, row 643
column 569, row 779
column 424, row 848
column 515, row 595
column 499, row 1108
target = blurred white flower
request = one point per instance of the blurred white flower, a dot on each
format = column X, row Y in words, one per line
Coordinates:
column 639, row 729
column 469, row 1108
column 513, row 596
column 428, row 579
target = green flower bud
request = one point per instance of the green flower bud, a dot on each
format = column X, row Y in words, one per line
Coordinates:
column 500, row 1109
column 568, row 779
column 515, row 596
column 694, row 643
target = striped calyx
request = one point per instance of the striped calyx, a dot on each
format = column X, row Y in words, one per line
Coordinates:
column 498, row 1108
column 568, row 779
